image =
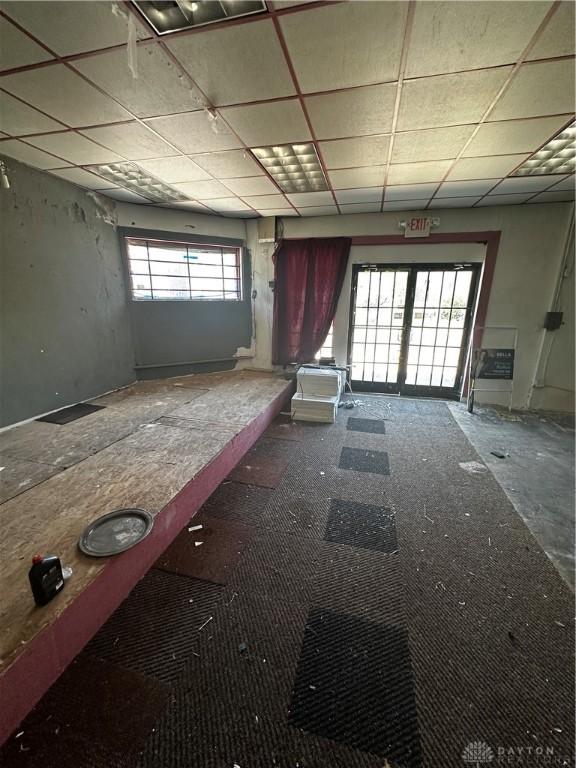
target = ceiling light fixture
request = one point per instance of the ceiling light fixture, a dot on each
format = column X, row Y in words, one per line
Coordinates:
column 133, row 178
column 294, row 167
column 557, row 156
column 166, row 16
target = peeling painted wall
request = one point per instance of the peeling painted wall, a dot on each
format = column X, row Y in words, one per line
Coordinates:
column 64, row 323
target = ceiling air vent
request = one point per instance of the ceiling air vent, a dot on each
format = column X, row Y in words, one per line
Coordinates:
column 167, row 16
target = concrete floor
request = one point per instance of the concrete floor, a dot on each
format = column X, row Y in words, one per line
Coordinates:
column 537, row 473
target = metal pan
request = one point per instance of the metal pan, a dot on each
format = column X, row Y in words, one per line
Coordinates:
column 115, row 532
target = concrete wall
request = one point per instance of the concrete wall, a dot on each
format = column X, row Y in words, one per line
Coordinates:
column 64, row 323
column 170, row 336
column 529, row 260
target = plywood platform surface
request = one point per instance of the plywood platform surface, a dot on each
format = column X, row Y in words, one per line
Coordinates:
column 141, row 450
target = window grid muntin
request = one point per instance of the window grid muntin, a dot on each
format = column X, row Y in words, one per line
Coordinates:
column 224, row 293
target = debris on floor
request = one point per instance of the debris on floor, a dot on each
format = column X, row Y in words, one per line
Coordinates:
column 194, row 528
column 499, row 454
column 473, row 467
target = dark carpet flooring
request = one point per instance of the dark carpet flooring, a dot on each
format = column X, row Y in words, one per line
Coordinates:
column 359, row 600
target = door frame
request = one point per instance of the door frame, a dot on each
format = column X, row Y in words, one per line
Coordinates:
column 490, row 238
column 400, row 386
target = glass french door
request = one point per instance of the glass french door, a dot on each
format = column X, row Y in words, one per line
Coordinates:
column 409, row 327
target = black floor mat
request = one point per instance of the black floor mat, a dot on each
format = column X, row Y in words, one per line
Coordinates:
column 73, row 412
column 354, row 684
column 361, row 525
column 372, row 426
column 359, row 460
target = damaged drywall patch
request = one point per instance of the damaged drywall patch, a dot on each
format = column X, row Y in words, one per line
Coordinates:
column 106, row 209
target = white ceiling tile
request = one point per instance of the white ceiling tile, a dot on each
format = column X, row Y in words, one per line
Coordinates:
column 228, row 204
column 539, row 88
column 259, row 185
column 453, row 202
column 29, row 155
column 513, row 136
column 233, row 164
column 321, row 210
column 520, row 184
column 554, row 197
column 17, row 49
column 406, row 205
column 160, row 88
column 502, row 200
column 431, row 144
column 131, row 140
column 73, row 27
column 466, row 188
column 351, row 153
column 484, row 167
column 74, row 148
column 174, row 169
column 369, row 176
column 236, row 64
column 203, row 190
column 449, row 99
column 360, row 208
column 366, row 195
column 189, row 205
column 452, row 37
column 415, row 173
column 82, row 178
column 356, row 112
column 264, row 124
column 63, row 95
column 409, row 192
column 267, row 202
column 311, row 198
column 18, row 119
column 344, row 45
column 124, row 195
column 192, row 133
column 278, row 212
column 566, row 183
column 558, row 37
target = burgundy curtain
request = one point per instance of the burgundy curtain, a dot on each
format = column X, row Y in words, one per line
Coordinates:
column 308, row 277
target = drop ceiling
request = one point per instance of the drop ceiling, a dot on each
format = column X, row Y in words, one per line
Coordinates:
column 406, row 105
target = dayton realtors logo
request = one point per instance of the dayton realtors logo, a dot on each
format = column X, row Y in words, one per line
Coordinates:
column 477, row 753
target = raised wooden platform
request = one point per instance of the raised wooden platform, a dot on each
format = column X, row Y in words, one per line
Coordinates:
column 160, row 445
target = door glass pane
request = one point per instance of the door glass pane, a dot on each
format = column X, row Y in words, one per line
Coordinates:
column 437, row 327
column 378, row 324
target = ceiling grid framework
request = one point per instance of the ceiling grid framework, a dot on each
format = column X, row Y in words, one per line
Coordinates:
column 397, row 123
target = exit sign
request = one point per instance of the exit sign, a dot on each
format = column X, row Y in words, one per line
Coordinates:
column 417, row 226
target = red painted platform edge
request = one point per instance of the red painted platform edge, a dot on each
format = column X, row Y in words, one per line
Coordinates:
column 24, row 683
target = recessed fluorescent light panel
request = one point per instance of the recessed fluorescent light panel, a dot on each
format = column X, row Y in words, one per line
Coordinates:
column 170, row 16
column 294, row 167
column 556, row 156
column 130, row 176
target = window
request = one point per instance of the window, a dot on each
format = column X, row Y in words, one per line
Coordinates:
column 326, row 349
column 163, row 270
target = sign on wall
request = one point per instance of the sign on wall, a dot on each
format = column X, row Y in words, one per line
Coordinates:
column 495, row 364
column 419, row 226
